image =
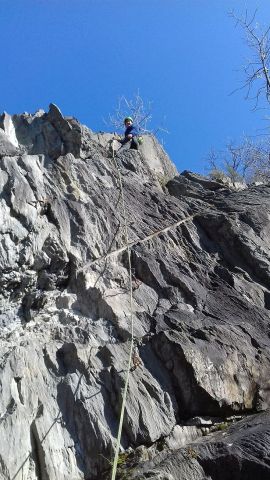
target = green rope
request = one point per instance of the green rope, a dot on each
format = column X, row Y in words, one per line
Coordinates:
column 120, row 427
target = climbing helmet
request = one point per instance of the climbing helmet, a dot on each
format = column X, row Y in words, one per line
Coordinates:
column 128, row 119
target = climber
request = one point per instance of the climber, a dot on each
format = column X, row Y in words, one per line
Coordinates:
column 131, row 134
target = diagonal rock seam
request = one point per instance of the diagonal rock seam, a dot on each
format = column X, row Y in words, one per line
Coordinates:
column 142, row 240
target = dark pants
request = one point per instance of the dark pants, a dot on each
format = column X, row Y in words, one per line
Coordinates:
column 134, row 144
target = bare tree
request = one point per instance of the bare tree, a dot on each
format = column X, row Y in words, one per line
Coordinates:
column 257, row 78
column 136, row 108
column 141, row 112
column 247, row 161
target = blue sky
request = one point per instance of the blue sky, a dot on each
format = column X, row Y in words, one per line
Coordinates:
column 183, row 55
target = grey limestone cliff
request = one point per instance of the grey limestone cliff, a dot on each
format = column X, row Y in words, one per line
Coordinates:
column 201, row 311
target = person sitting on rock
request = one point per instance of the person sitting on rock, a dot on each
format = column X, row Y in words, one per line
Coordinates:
column 131, row 134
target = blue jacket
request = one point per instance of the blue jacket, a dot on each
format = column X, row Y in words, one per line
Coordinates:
column 132, row 130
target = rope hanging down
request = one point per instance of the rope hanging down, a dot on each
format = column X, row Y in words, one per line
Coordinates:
column 127, row 247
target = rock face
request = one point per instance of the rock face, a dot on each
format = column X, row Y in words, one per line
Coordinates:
column 240, row 452
column 201, row 310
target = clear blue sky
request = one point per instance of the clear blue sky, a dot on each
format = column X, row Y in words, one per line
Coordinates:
column 183, row 55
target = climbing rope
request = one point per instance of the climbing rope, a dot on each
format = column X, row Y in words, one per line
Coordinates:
column 127, row 247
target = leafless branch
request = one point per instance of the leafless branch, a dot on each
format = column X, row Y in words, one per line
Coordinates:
column 139, row 110
column 256, row 71
column 247, row 161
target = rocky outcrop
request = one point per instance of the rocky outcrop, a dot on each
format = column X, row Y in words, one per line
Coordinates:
column 238, row 451
column 200, row 270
